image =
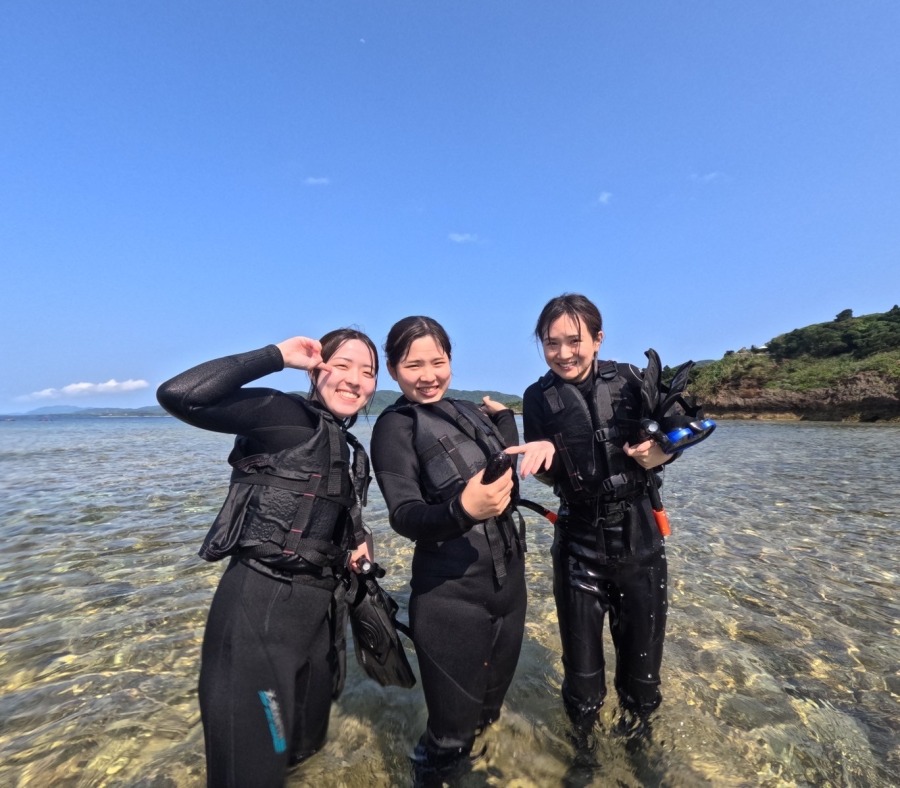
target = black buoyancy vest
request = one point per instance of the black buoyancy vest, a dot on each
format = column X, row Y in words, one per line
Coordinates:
column 267, row 511
column 453, row 440
column 589, row 433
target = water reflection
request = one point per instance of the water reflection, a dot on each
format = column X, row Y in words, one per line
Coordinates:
column 780, row 667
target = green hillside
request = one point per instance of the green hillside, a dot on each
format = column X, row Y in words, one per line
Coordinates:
column 383, row 398
column 846, row 369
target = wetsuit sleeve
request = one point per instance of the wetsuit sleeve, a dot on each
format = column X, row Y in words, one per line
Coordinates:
column 533, row 426
column 210, row 395
column 505, row 422
column 397, row 473
column 532, row 413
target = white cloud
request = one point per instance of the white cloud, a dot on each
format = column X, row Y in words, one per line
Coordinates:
column 604, row 198
column 709, row 177
column 463, row 238
column 317, row 181
column 111, row 386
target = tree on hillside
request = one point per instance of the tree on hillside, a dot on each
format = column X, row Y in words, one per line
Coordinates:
column 860, row 336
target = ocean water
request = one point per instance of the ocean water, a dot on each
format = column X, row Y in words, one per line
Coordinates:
column 782, row 654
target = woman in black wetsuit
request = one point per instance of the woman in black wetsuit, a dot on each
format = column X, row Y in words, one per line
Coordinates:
column 289, row 524
column 608, row 555
column 467, row 607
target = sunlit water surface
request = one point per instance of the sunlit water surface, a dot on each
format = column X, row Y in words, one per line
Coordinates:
column 781, row 664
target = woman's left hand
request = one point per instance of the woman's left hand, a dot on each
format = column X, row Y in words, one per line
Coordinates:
column 648, row 454
column 538, row 455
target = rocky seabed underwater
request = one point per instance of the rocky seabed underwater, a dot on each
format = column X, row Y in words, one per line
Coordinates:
column 781, row 661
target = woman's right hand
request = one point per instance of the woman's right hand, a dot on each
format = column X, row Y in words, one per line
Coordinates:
column 362, row 554
column 302, row 353
column 538, row 456
column 483, row 501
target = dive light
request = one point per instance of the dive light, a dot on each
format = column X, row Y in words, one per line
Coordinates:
column 681, row 437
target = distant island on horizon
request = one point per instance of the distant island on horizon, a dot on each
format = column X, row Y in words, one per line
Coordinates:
column 382, row 399
column 847, row 369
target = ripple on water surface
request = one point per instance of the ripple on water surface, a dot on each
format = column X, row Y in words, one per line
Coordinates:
column 781, row 653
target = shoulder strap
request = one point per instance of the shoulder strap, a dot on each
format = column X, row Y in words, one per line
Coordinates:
column 336, row 463
column 446, row 410
column 473, row 413
column 473, row 424
column 468, row 418
column 551, row 395
column 607, row 372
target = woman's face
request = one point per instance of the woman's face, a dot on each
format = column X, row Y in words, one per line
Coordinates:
column 424, row 373
column 569, row 349
column 350, row 383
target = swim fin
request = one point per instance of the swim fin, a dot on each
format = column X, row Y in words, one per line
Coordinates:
column 373, row 622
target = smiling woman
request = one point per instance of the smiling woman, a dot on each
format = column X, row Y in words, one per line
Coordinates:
column 467, row 607
column 290, row 523
column 571, row 345
column 608, row 553
column 345, row 381
column 423, row 371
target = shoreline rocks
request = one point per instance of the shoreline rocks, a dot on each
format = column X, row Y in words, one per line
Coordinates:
column 863, row 397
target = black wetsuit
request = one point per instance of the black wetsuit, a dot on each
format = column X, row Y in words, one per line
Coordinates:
column 266, row 678
column 467, row 626
column 607, row 558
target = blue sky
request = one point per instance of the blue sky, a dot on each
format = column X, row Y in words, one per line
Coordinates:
column 183, row 180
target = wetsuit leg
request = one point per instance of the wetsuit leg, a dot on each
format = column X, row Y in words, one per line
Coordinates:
column 468, row 635
column 453, row 642
column 581, row 604
column 638, row 628
column 261, row 637
column 312, row 698
column 509, row 631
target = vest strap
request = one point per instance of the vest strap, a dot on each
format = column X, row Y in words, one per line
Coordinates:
column 336, row 466
column 470, row 425
column 626, row 479
column 567, row 461
column 315, row 551
column 451, row 414
column 452, row 450
column 441, row 447
column 603, row 397
column 290, row 546
column 360, row 479
column 607, row 434
column 497, row 545
column 269, row 480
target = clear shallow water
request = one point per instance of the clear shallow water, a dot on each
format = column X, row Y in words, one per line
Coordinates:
column 782, row 655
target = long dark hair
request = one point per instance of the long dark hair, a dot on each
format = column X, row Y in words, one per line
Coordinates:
column 330, row 343
column 406, row 331
column 578, row 308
